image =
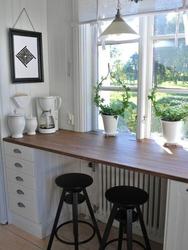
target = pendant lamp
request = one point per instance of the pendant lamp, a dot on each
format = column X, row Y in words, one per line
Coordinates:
column 118, row 30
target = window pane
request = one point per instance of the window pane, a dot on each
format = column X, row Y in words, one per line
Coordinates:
column 173, row 100
column 123, row 60
column 171, row 64
column 128, row 123
column 166, row 24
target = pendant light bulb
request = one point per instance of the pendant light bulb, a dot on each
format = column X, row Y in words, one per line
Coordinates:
column 118, row 30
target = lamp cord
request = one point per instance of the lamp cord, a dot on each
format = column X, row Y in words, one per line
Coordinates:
column 119, row 5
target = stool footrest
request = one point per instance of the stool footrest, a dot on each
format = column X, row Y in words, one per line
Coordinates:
column 72, row 243
column 125, row 239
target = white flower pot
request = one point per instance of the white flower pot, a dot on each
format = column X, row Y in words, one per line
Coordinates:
column 110, row 125
column 171, row 131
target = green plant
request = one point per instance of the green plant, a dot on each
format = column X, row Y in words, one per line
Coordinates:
column 168, row 111
column 106, row 109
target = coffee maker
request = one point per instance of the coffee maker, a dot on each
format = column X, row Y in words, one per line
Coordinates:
column 47, row 111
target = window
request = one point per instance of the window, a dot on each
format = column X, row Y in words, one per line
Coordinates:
column 170, row 66
column 123, row 60
column 166, row 61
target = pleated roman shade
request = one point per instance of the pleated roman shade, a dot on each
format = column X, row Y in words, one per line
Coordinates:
column 87, row 9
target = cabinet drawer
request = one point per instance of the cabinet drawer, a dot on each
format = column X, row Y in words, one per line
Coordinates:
column 20, row 179
column 19, row 151
column 23, row 208
column 22, row 192
column 19, row 165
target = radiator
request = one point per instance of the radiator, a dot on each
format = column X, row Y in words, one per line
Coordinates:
column 153, row 211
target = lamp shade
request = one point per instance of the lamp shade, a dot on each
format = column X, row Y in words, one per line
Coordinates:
column 118, row 30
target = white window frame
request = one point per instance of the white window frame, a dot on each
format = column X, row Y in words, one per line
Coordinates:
column 85, row 112
column 145, row 75
column 150, row 80
column 142, row 79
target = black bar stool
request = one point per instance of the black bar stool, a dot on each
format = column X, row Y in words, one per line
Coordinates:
column 74, row 184
column 125, row 199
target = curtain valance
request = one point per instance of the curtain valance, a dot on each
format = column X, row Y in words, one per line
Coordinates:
column 90, row 10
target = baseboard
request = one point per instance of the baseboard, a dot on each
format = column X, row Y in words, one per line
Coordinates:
column 38, row 230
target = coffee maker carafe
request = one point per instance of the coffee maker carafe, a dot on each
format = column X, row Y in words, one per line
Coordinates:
column 45, row 111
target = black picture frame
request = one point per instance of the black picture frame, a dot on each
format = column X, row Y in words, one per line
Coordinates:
column 26, row 57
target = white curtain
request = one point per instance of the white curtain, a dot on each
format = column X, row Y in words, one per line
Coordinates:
column 82, row 77
column 107, row 8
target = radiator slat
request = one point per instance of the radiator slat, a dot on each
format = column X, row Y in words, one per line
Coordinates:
column 162, row 206
column 100, row 190
column 153, row 211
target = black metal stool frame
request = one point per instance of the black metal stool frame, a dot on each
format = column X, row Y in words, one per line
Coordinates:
column 75, row 219
column 129, row 240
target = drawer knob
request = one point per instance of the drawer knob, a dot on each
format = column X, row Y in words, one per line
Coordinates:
column 187, row 189
column 20, row 204
column 19, row 191
column 18, row 165
column 18, row 178
column 17, row 151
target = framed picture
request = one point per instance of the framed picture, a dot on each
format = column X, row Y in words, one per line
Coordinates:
column 26, row 56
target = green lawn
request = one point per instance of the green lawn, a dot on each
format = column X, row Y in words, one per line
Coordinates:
column 172, row 85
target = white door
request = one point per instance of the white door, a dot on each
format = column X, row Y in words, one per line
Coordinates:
column 176, row 229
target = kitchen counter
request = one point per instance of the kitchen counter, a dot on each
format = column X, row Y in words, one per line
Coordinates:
column 123, row 151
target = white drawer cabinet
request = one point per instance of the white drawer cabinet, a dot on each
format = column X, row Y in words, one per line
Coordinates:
column 33, row 196
column 22, row 192
column 24, row 208
column 19, row 151
column 19, row 165
column 21, row 179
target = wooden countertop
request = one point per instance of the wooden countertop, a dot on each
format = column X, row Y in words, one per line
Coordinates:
column 145, row 156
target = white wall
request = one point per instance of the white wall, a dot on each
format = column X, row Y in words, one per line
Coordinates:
column 9, row 12
column 60, row 46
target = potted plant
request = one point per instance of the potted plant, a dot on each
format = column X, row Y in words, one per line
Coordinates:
column 109, row 114
column 171, row 117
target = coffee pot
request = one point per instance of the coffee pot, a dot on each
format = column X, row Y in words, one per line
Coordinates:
column 47, row 111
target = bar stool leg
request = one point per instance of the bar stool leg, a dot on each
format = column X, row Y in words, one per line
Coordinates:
column 75, row 219
column 92, row 215
column 56, row 219
column 108, row 227
column 120, row 235
column 129, row 229
column 143, row 228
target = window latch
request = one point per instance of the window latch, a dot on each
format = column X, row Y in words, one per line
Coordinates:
column 144, row 119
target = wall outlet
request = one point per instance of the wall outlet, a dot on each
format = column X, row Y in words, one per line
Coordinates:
column 71, row 119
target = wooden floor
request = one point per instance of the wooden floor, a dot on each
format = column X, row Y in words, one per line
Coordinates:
column 12, row 238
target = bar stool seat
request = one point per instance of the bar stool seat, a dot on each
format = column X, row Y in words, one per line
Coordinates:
column 74, row 181
column 125, row 199
column 74, row 184
column 126, row 196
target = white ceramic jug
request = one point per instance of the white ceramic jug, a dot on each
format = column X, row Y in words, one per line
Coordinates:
column 16, row 123
column 31, row 125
